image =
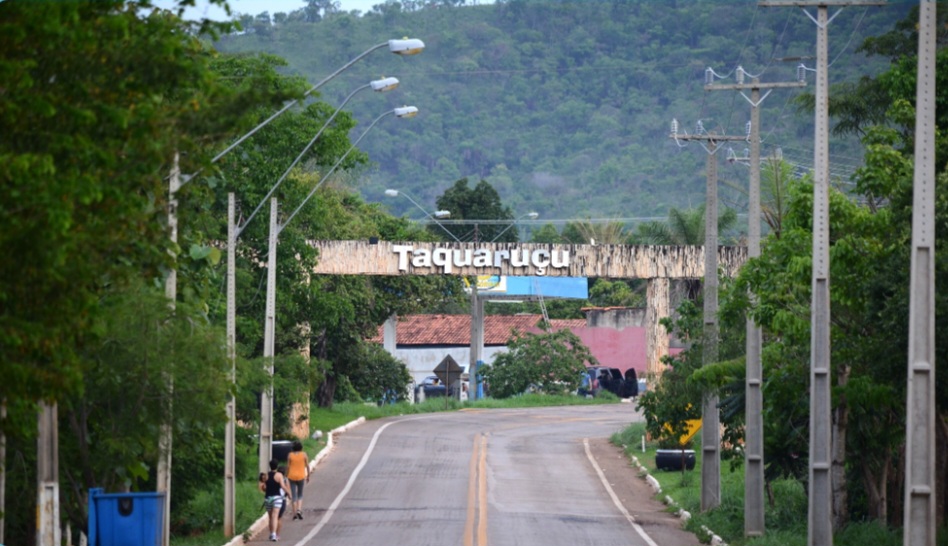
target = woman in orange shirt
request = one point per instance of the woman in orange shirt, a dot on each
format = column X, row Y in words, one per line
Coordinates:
column 298, row 474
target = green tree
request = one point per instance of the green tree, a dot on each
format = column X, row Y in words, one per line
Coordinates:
column 684, row 227
column 670, row 403
column 106, row 93
column 552, row 362
column 870, row 258
column 478, row 203
column 546, row 234
column 585, row 233
column 381, row 376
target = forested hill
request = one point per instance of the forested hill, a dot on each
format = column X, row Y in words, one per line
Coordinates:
column 565, row 107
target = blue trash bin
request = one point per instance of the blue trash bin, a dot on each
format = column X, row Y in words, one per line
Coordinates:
column 125, row 519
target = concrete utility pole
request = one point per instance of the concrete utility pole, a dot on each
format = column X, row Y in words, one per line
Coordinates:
column 230, row 434
column 710, row 416
column 3, row 466
column 920, row 500
column 269, row 328
column 754, row 421
column 47, row 477
column 171, row 292
column 477, row 339
column 820, row 512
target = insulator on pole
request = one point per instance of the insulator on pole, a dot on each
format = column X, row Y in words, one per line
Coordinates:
column 740, row 74
column 699, row 128
column 801, row 73
column 674, row 126
column 778, row 153
column 747, row 153
column 731, row 156
column 748, row 129
column 708, row 76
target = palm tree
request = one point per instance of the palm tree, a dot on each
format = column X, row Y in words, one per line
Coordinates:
column 586, row 232
column 684, row 228
column 774, row 179
column 775, row 176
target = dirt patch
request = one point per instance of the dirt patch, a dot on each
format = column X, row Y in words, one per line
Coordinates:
column 638, row 498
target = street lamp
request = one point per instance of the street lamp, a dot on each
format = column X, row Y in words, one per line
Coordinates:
column 266, row 401
column 379, row 86
column 530, row 215
column 438, row 214
column 405, row 46
column 233, row 232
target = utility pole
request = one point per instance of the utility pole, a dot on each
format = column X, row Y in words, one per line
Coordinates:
column 821, row 506
column 3, row 466
column 47, row 477
column 920, row 499
column 171, row 292
column 269, row 328
column 754, row 421
column 477, row 331
column 710, row 416
column 477, row 339
column 230, row 435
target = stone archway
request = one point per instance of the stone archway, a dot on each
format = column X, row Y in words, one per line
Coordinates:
column 657, row 264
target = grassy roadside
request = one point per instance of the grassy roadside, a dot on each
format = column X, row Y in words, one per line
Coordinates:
column 785, row 517
column 206, row 510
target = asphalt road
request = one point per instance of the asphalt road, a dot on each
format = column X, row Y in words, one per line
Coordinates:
column 544, row 476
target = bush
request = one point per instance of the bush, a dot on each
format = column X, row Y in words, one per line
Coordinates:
column 379, row 374
column 551, row 362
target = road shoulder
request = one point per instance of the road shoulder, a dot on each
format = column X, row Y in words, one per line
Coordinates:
column 638, row 498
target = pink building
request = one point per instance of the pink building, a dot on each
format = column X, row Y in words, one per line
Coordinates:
column 615, row 336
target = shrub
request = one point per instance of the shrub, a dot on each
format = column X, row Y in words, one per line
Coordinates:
column 551, row 362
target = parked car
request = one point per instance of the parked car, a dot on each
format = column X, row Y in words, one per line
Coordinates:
column 598, row 378
column 431, row 386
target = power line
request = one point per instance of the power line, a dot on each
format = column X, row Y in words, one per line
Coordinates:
column 554, row 221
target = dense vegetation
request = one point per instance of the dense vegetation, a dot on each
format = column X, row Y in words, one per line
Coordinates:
column 106, row 99
column 565, row 107
column 869, row 256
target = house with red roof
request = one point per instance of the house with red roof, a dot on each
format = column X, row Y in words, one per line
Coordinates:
column 616, row 337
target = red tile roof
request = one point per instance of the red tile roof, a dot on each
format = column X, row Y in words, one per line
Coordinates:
column 456, row 329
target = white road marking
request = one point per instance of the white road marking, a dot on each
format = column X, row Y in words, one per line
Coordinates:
column 355, row 474
column 615, row 499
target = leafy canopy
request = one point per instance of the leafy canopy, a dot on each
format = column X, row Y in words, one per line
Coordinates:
column 552, row 362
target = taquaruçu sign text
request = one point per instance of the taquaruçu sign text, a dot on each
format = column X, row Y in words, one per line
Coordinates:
column 520, row 259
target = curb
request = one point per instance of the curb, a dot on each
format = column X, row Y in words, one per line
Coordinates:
column 682, row 514
column 261, row 523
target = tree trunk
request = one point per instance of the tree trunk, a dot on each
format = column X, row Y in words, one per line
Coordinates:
column 876, row 488
column 896, row 489
column 326, row 391
column 838, row 471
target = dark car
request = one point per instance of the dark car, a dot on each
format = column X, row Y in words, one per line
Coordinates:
column 610, row 379
column 432, row 387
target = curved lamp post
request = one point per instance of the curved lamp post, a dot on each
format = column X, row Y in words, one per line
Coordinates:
column 438, row 214
column 266, row 400
column 233, row 232
column 530, row 215
column 379, row 86
column 405, row 46
column 402, row 47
